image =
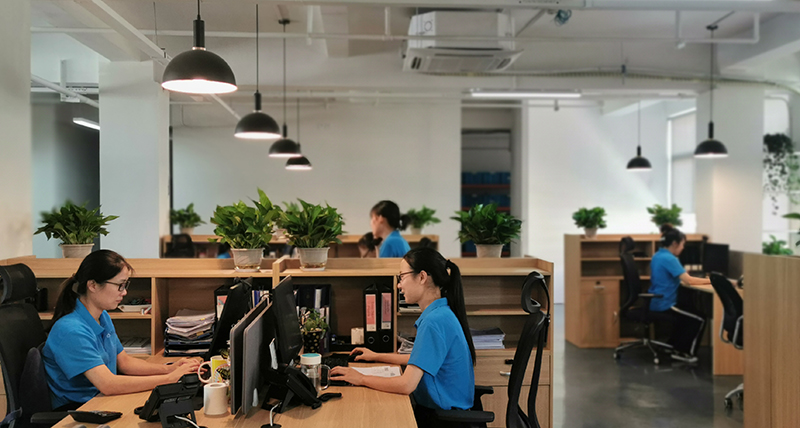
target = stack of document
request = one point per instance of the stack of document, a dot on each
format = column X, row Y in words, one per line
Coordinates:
column 488, row 339
column 136, row 345
column 404, row 307
column 188, row 333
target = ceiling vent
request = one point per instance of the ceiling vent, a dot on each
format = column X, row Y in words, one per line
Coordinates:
column 459, row 48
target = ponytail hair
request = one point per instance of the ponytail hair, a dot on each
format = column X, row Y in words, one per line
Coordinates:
column 391, row 212
column 99, row 266
column 429, row 260
column 369, row 242
column 670, row 235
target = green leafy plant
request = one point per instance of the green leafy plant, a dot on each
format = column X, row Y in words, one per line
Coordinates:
column 314, row 226
column 774, row 247
column 312, row 321
column 485, row 226
column 245, row 227
column 663, row 215
column 793, row 216
column 423, row 217
column 590, row 218
column 291, row 207
column 185, row 217
column 74, row 224
column 781, row 166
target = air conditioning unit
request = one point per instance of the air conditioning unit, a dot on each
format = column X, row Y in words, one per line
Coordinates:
column 456, row 51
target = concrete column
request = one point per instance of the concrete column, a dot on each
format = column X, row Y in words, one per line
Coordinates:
column 728, row 191
column 134, row 158
column 16, row 230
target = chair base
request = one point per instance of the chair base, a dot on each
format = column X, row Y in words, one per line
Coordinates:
column 736, row 392
column 650, row 344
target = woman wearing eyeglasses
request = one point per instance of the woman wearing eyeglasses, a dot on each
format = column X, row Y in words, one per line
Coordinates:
column 83, row 355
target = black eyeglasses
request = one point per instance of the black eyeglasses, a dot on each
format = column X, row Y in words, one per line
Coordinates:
column 122, row 286
column 400, row 276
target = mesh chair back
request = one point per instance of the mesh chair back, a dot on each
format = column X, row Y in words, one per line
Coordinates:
column 630, row 274
column 732, row 305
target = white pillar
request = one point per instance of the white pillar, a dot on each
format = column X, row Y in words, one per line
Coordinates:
column 16, row 229
column 728, row 191
column 134, row 158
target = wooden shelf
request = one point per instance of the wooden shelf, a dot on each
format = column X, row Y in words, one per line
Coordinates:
column 474, row 254
column 486, row 186
column 609, row 277
column 114, row 316
column 613, row 259
column 500, row 209
column 486, row 311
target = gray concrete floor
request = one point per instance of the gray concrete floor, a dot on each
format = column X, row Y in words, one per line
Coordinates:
column 592, row 390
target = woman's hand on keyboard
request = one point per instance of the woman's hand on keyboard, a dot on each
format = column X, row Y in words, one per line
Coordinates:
column 363, row 354
column 348, row 375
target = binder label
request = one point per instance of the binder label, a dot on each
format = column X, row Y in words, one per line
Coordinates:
column 386, row 311
column 371, row 315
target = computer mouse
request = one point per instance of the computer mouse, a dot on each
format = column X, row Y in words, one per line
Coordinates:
column 352, row 357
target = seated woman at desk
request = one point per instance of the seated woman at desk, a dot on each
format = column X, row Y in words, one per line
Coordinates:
column 666, row 275
column 83, row 355
column 439, row 372
column 386, row 221
column 368, row 246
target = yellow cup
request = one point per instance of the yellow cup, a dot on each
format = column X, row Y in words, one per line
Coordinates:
column 213, row 365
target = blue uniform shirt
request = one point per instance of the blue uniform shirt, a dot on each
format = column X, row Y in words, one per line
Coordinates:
column 665, row 272
column 394, row 246
column 442, row 352
column 76, row 344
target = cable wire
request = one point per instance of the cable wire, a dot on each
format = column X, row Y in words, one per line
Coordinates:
column 187, row 420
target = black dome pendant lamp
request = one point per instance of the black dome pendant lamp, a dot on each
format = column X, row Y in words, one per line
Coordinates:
column 284, row 148
column 199, row 71
column 257, row 125
column 302, row 163
column 711, row 148
column 639, row 163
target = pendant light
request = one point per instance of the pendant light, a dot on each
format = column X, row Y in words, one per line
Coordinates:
column 257, row 125
column 284, row 148
column 302, row 163
column 639, row 163
column 711, row 148
column 199, row 71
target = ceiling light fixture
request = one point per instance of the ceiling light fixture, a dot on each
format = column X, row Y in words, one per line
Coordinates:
column 301, row 163
column 711, row 148
column 522, row 95
column 284, row 148
column 257, row 125
column 86, row 122
column 639, row 163
column 199, row 71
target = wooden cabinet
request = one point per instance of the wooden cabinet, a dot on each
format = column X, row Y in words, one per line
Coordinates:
column 599, row 305
column 497, row 403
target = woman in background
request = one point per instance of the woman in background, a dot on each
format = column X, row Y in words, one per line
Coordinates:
column 386, row 222
column 368, row 246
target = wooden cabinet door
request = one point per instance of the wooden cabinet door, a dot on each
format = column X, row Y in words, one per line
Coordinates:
column 599, row 305
column 497, row 403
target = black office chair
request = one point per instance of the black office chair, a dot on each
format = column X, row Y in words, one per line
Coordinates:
column 21, row 335
column 637, row 305
column 534, row 334
column 732, row 324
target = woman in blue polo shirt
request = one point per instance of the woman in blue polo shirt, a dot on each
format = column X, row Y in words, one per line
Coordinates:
column 439, row 372
column 83, row 355
column 666, row 275
column 386, row 221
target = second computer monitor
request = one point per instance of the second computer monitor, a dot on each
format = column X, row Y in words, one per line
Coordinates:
column 287, row 324
column 715, row 258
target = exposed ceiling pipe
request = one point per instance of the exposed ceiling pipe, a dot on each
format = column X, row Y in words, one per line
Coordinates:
column 531, row 21
column 62, row 90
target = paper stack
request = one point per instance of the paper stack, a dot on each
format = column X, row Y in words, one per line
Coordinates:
column 188, row 333
column 488, row 339
column 136, row 345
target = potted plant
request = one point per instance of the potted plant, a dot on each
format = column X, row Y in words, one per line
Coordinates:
column 421, row 218
column 793, row 216
column 311, row 230
column 76, row 227
column 489, row 229
column 246, row 229
column 590, row 220
column 186, row 219
column 774, row 247
column 314, row 328
column 663, row 215
column 781, row 166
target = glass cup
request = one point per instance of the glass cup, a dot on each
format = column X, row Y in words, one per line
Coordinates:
column 311, row 366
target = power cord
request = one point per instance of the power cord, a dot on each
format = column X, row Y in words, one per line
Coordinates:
column 271, row 423
column 188, row 420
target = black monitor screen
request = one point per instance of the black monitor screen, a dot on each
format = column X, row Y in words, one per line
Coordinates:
column 715, row 258
column 287, row 324
column 236, row 307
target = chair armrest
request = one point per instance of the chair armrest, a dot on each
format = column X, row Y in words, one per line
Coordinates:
column 464, row 416
column 48, row 418
column 481, row 390
column 650, row 295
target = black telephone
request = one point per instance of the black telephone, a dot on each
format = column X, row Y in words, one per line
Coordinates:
column 170, row 400
column 291, row 387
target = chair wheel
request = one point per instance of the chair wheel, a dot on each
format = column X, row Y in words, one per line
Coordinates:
column 616, row 355
column 728, row 403
column 656, row 361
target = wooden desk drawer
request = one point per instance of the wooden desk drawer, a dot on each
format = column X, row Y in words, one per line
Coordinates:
column 487, row 371
column 498, row 402
column 600, row 286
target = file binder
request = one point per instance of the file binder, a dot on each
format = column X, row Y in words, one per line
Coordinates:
column 385, row 327
column 371, row 314
column 378, row 318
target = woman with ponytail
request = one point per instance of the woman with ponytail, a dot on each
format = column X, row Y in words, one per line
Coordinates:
column 439, row 372
column 386, row 222
column 83, row 355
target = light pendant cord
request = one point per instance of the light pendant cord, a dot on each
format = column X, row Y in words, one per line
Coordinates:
column 256, row 47
column 711, row 72
column 284, row 79
column 639, row 125
column 298, row 121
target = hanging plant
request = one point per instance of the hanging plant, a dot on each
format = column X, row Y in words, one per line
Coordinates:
column 781, row 166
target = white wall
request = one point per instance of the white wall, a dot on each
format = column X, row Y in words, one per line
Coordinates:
column 576, row 158
column 15, row 123
column 361, row 154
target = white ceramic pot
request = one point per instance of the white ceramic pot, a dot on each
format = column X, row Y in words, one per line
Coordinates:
column 489, row 250
column 187, row 230
column 416, row 231
column 591, row 233
column 247, row 260
column 76, row 251
column 313, row 259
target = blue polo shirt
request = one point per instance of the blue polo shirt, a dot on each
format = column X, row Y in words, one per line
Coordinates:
column 76, row 344
column 394, row 246
column 442, row 352
column 665, row 272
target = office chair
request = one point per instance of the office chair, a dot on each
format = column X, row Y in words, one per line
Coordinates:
column 28, row 395
column 639, row 314
column 732, row 324
column 534, row 334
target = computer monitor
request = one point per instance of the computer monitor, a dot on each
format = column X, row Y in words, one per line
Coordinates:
column 287, row 324
column 257, row 337
column 239, row 366
column 236, row 306
column 715, row 258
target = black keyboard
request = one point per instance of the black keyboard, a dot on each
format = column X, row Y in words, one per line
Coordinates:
column 336, row 360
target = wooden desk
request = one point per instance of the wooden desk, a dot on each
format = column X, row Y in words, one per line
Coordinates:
column 727, row 360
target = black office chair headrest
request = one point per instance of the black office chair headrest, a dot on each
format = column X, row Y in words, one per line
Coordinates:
column 530, row 305
column 626, row 245
column 18, row 282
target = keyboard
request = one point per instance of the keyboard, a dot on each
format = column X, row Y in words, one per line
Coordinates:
column 337, row 360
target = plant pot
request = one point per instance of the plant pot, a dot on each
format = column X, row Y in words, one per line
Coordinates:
column 484, row 250
column 416, row 231
column 311, row 340
column 590, row 232
column 76, row 251
column 247, row 260
column 313, row 259
column 187, row 230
